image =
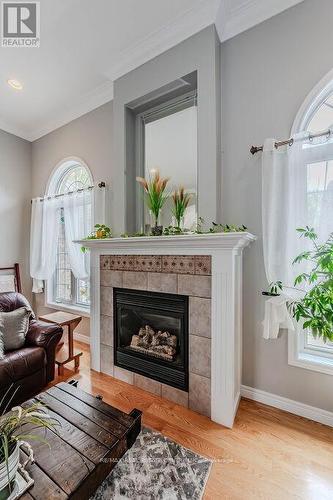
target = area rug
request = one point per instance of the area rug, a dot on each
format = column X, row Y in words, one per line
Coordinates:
column 156, row 468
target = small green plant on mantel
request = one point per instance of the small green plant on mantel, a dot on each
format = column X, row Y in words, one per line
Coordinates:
column 315, row 308
column 17, row 426
column 101, row 231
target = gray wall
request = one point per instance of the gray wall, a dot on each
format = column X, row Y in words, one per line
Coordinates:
column 266, row 74
column 15, row 190
column 89, row 138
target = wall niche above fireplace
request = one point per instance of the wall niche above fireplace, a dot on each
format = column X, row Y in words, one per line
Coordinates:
column 151, row 335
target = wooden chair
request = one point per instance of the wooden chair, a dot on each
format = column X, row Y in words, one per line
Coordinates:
column 14, row 285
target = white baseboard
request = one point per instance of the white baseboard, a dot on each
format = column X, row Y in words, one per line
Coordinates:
column 81, row 338
column 300, row 409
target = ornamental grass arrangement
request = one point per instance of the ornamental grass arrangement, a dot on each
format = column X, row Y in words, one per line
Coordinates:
column 17, row 426
column 181, row 200
column 156, row 196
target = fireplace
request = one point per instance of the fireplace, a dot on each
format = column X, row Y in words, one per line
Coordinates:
column 151, row 335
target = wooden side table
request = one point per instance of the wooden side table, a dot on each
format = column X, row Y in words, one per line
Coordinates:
column 71, row 321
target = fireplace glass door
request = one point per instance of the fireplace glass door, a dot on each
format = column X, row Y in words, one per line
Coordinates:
column 151, row 335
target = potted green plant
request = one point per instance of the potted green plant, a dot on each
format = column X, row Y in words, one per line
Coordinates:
column 315, row 307
column 13, row 433
column 181, row 200
column 155, row 197
column 102, row 231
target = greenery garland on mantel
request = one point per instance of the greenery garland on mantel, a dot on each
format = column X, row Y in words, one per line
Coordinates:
column 215, row 228
column 103, row 232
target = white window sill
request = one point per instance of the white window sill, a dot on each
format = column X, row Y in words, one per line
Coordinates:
column 85, row 312
column 307, row 360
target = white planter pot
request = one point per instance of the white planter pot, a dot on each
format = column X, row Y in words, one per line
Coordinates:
column 13, row 462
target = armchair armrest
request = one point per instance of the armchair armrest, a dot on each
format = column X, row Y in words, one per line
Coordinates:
column 46, row 335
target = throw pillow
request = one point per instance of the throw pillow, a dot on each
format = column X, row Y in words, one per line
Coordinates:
column 14, row 326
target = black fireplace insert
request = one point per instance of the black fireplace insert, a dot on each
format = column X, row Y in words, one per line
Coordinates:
column 151, row 335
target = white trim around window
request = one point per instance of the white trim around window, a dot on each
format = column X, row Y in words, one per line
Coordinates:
column 305, row 357
column 74, row 309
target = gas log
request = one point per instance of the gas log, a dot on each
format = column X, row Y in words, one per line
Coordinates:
column 158, row 344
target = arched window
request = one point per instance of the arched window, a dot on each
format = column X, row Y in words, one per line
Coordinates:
column 315, row 117
column 70, row 175
column 65, row 291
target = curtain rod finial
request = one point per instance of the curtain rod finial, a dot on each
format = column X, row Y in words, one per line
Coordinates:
column 102, row 184
column 254, row 149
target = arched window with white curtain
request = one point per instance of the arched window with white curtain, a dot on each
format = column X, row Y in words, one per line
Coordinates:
column 64, row 289
column 297, row 190
column 314, row 118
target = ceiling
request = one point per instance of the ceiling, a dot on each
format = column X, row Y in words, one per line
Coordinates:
column 85, row 45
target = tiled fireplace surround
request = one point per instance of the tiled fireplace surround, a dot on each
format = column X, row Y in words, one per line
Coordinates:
column 188, row 275
column 207, row 268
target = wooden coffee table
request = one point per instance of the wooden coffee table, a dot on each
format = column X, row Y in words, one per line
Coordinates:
column 92, row 437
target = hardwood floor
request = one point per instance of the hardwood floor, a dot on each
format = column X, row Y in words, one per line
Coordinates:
column 269, row 454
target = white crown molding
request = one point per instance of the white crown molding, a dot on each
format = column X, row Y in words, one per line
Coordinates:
column 231, row 21
column 289, row 405
column 87, row 102
column 184, row 26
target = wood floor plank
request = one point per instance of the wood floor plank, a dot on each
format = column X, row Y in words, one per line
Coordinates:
column 269, row 454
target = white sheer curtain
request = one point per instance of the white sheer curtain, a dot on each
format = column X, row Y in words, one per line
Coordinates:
column 297, row 190
column 45, row 220
column 78, row 217
column 76, row 208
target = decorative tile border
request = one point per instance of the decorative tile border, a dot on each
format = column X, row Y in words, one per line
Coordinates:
column 171, row 264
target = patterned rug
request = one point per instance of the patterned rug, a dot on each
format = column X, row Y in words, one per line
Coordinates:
column 156, row 468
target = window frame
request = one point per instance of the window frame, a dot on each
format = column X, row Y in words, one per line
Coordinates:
column 299, row 353
column 53, row 184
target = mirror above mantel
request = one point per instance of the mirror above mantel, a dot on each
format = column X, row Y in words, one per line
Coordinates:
column 162, row 127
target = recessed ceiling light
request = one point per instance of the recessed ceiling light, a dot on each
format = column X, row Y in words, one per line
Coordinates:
column 15, row 84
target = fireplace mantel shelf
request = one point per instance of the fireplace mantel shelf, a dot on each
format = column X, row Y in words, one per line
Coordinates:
column 196, row 241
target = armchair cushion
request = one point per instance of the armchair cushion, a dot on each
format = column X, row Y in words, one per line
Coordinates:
column 14, row 327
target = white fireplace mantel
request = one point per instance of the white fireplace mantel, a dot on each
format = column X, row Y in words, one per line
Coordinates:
column 226, row 313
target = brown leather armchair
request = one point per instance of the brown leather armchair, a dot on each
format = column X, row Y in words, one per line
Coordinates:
column 31, row 368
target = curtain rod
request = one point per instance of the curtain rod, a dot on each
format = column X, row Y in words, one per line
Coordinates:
column 100, row 185
column 290, row 142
